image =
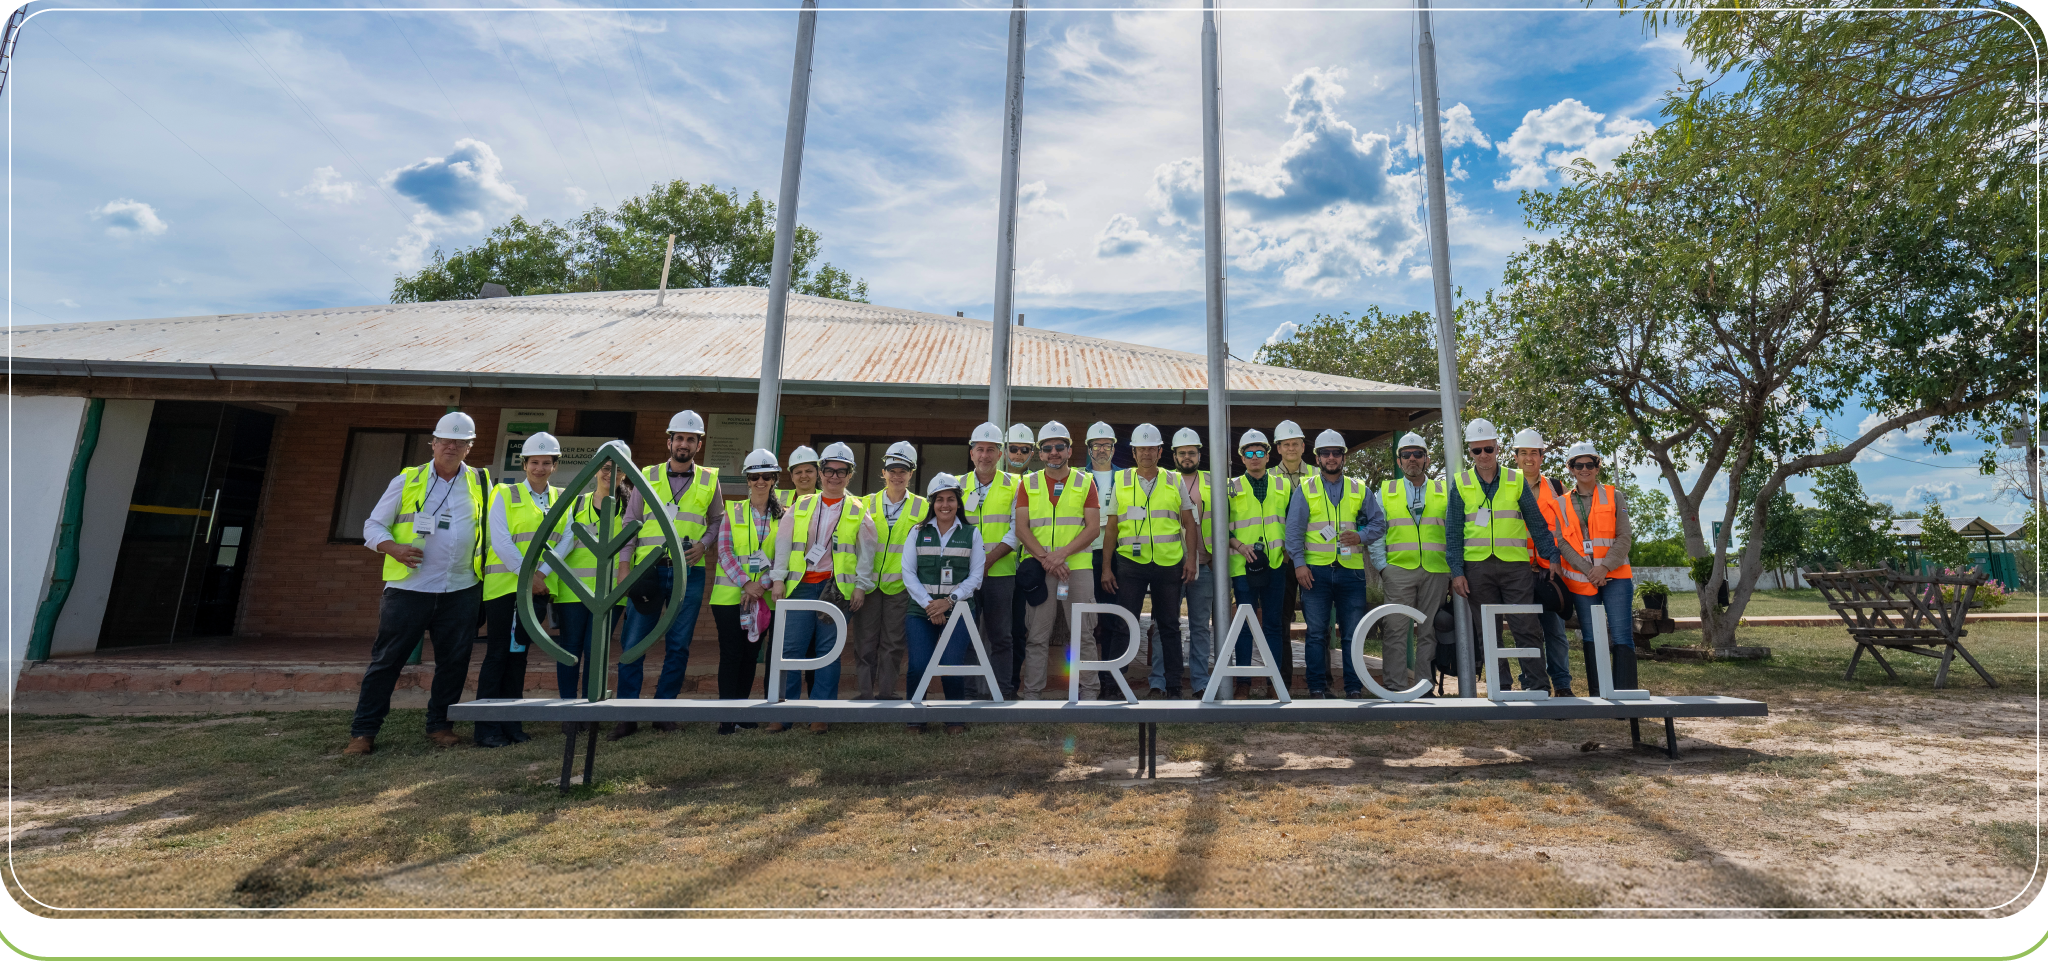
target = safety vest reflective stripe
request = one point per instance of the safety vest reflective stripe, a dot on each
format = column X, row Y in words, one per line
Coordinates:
column 690, row 512
column 413, row 492
column 403, row 518
column 888, row 563
column 1493, row 526
column 1052, row 530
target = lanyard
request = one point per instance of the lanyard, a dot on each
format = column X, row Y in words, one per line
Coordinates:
column 433, row 480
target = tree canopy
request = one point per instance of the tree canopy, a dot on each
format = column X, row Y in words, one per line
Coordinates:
column 721, row 240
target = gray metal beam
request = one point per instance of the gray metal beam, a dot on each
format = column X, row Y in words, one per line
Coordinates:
column 770, row 400
column 1103, row 711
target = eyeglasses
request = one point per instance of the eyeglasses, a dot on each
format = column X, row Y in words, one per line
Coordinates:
column 895, row 468
column 1415, row 454
column 1583, row 466
column 837, row 472
column 1020, row 450
column 1330, row 452
column 1255, row 453
column 1484, row 450
column 1053, row 447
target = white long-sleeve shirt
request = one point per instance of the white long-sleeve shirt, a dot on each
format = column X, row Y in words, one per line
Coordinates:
column 501, row 530
column 825, row 522
column 445, row 566
column 908, row 566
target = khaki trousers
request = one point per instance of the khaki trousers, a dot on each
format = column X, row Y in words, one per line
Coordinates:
column 1039, row 645
column 879, row 645
column 1424, row 591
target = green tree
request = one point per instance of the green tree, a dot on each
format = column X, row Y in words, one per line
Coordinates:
column 1940, row 544
column 1649, row 513
column 1848, row 529
column 1782, row 535
column 721, row 240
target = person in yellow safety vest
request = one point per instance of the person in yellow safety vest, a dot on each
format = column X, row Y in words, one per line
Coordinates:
column 988, row 496
column 1258, row 534
column 688, row 493
column 1488, row 523
column 1410, row 561
column 1200, row 593
column 517, row 510
column 828, row 550
column 879, row 644
column 1057, row 516
column 1290, row 446
column 1594, row 546
column 1018, row 451
column 803, row 476
column 429, row 527
column 1329, row 521
column 1153, row 530
column 1100, row 447
column 1557, row 663
column 747, row 580
column 571, row 615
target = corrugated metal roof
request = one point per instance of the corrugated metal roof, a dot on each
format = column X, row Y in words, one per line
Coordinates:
column 700, row 339
column 1969, row 527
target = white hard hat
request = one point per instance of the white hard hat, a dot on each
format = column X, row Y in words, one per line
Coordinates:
column 1286, row 430
column 1414, row 440
column 686, row 421
column 801, row 455
column 1100, row 430
column 1530, row 439
column 1330, row 438
column 1022, row 433
column 624, row 450
column 1146, row 434
column 940, row 483
column 1581, row 449
column 455, row 425
column 540, row 444
column 987, row 432
column 1480, row 430
column 1250, row 436
column 900, row 454
column 1187, row 437
column 1053, row 430
column 761, row 460
column 838, row 452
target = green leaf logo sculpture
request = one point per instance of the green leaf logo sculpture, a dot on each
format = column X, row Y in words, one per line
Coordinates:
column 604, row 590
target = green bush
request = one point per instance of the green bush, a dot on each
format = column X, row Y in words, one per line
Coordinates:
column 1663, row 552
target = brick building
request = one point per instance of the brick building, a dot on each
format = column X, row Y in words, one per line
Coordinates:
column 233, row 457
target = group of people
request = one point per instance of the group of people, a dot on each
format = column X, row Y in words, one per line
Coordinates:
column 1014, row 546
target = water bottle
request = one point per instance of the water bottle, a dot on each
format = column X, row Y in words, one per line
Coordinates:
column 1061, row 593
column 749, row 624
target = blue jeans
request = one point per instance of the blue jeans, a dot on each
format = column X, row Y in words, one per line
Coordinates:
column 574, row 619
column 1267, row 593
column 1345, row 587
column 810, row 635
column 677, row 661
column 1201, row 598
column 921, row 638
column 1618, row 599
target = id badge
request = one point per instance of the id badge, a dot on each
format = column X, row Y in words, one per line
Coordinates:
column 1329, row 534
column 757, row 562
column 974, row 502
column 1483, row 518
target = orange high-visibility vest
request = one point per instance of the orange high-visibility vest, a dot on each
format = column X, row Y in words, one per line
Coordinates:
column 1546, row 503
column 1592, row 537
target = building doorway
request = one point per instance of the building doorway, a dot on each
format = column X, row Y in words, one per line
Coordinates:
column 191, row 523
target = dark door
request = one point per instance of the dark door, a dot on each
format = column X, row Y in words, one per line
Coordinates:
column 179, row 573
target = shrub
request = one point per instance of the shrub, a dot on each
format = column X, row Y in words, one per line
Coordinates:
column 1652, row 588
column 1662, row 552
column 1989, row 596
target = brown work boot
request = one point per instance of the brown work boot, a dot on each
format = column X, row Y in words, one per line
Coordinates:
column 445, row 738
column 666, row 726
column 819, row 728
column 956, row 729
column 776, row 728
column 359, row 746
column 626, row 728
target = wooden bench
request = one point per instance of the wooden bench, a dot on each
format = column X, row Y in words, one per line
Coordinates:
column 1886, row 610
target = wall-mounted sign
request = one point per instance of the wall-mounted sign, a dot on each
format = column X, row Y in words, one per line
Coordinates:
column 514, row 425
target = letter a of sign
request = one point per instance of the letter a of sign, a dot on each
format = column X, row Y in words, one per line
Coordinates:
column 1226, row 670
column 962, row 617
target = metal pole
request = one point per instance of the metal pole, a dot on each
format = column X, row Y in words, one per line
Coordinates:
column 667, row 254
column 1446, row 322
column 1219, row 346
column 1000, row 329
column 770, row 401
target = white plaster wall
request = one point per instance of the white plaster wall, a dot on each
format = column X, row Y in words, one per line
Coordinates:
column 42, row 435
column 1679, row 578
column 109, row 487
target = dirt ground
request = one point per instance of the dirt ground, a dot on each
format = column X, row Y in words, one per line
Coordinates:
column 1865, row 798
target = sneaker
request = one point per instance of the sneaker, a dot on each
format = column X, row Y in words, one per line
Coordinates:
column 626, row 728
column 1318, row 695
column 724, row 729
column 1155, row 694
column 1354, row 694
column 521, row 737
column 359, row 746
column 1563, row 692
column 1173, row 694
column 494, row 740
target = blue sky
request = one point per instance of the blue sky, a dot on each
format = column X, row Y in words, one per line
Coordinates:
column 177, row 163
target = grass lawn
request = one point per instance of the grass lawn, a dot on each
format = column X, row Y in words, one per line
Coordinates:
column 1787, row 603
column 1867, row 793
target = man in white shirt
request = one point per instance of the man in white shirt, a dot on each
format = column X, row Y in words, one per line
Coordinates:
column 428, row 526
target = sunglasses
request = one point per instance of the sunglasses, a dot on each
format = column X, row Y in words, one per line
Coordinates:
column 1582, row 466
column 1329, row 452
column 837, row 472
column 766, row 477
column 1255, row 453
column 1020, row 450
column 1484, row 450
column 895, row 468
column 1415, row 454
column 1053, row 447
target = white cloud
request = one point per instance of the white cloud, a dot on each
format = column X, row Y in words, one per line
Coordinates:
column 1123, row 237
column 1282, row 332
column 1421, row 271
column 1459, row 128
column 1034, row 279
column 460, row 192
column 577, row 196
column 1946, row 493
column 129, row 218
column 68, row 302
column 1031, row 199
column 328, row 185
column 1578, row 130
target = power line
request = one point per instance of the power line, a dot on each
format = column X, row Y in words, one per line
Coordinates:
column 619, row 108
column 646, row 90
column 1873, row 450
column 398, row 28
column 18, row 304
column 570, row 99
column 209, row 163
column 498, row 44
